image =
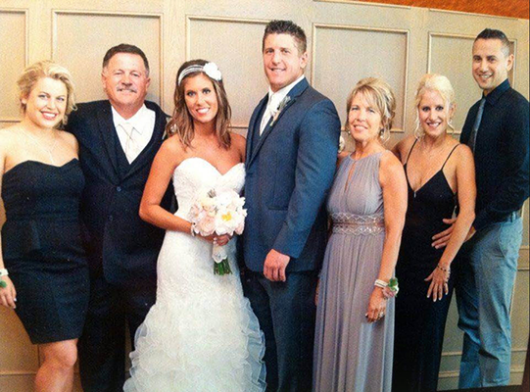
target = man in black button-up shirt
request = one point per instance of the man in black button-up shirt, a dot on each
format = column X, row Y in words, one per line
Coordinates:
column 497, row 129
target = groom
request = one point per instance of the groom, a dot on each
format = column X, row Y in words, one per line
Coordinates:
column 291, row 156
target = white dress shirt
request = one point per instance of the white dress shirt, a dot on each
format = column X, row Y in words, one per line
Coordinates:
column 135, row 133
column 275, row 99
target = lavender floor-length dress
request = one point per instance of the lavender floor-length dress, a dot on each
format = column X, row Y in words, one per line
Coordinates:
column 350, row 353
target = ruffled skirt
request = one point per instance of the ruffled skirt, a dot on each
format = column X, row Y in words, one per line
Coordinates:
column 201, row 335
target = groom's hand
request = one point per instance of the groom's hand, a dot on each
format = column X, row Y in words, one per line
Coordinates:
column 275, row 265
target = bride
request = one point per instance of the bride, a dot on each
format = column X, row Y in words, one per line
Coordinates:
column 201, row 335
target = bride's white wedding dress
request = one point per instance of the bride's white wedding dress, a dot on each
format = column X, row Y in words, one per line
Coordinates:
column 201, row 335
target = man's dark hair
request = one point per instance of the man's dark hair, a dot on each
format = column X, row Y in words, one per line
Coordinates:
column 290, row 28
column 126, row 48
column 496, row 34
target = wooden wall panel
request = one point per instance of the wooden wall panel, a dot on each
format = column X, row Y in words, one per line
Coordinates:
column 521, row 325
column 514, row 9
column 347, row 39
column 348, row 54
column 78, row 44
column 16, row 383
column 13, row 58
column 235, row 46
column 18, row 356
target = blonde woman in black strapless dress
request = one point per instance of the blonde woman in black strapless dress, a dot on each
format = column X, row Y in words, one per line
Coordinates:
column 44, row 271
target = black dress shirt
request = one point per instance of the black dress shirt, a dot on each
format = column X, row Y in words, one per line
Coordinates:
column 501, row 154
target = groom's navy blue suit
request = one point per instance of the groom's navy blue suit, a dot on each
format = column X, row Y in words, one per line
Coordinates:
column 290, row 169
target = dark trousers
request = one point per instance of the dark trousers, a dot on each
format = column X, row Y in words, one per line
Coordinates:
column 102, row 345
column 286, row 312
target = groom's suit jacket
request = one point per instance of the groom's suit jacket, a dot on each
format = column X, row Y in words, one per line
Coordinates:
column 118, row 241
column 290, row 169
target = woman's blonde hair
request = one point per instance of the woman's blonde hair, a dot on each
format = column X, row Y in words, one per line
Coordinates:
column 47, row 69
column 441, row 85
column 181, row 123
column 383, row 97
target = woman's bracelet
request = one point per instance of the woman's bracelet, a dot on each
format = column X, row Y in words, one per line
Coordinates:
column 390, row 289
column 381, row 284
column 192, row 231
column 444, row 269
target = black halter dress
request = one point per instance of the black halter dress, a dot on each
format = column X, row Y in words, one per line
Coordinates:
column 420, row 322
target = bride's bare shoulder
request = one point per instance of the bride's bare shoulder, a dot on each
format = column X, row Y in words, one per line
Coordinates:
column 239, row 142
column 173, row 150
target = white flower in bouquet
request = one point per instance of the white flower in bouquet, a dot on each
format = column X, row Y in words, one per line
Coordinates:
column 220, row 212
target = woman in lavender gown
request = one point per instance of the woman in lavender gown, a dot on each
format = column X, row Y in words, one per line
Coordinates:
column 368, row 201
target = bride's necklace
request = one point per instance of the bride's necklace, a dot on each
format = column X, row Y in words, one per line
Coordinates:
column 48, row 150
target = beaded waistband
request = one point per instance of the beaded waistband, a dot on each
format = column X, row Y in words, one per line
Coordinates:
column 345, row 223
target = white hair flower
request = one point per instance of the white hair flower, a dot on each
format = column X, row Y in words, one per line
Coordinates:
column 212, row 70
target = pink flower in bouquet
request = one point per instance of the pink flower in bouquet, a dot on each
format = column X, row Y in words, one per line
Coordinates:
column 208, row 205
column 206, row 225
column 240, row 228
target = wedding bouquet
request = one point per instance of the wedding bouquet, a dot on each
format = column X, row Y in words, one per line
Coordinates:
column 219, row 212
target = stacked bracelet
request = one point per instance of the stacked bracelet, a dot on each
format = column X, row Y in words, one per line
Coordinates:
column 381, row 284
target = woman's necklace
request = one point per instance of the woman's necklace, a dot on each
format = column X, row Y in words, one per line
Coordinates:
column 48, row 150
column 433, row 150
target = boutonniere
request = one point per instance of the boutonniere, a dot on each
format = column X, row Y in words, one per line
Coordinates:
column 342, row 144
column 281, row 106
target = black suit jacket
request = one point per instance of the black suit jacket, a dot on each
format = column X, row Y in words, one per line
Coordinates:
column 120, row 245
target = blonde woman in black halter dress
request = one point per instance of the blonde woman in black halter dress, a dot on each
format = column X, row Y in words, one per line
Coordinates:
column 43, row 268
column 441, row 176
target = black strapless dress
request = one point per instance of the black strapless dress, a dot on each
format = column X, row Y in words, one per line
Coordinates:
column 420, row 322
column 43, row 249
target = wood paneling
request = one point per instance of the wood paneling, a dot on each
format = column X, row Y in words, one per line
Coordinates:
column 514, row 9
column 82, row 54
column 384, row 55
column 347, row 39
column 213, row 39
column 13, row 55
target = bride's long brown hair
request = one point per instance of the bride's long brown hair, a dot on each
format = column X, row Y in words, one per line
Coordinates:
column 181, row 123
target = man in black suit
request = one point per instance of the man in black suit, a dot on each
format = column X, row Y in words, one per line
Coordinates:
column 118, row 140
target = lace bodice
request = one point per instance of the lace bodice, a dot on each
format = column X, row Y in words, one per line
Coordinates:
column 194, row 176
